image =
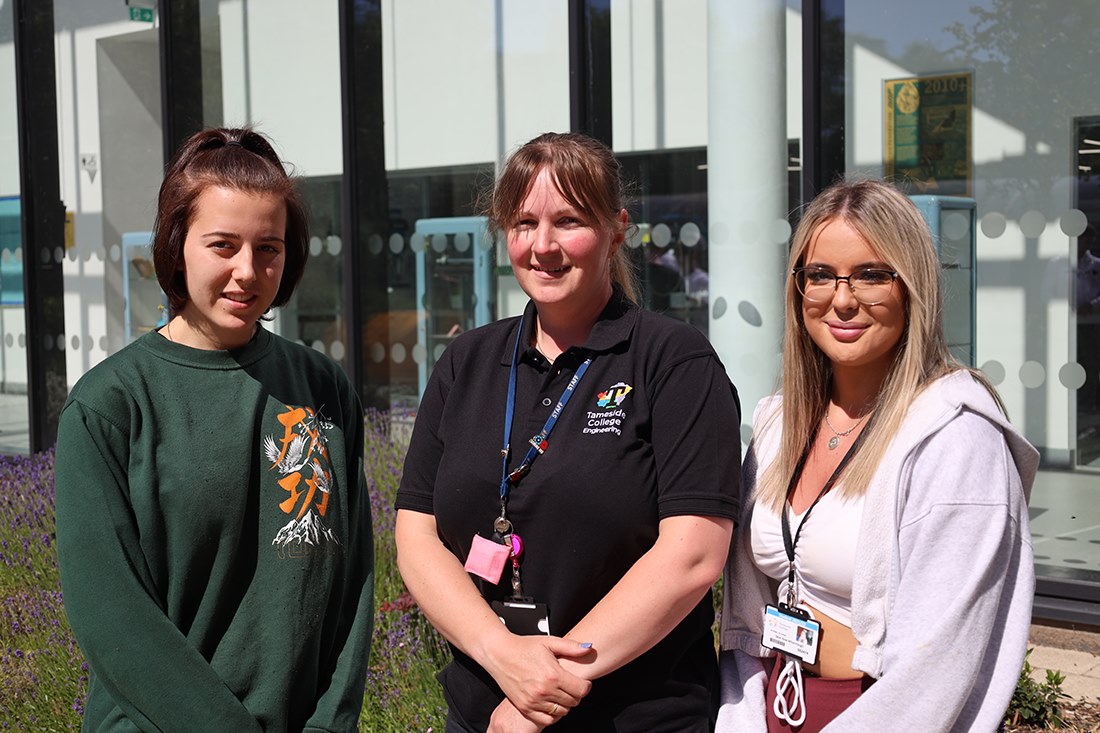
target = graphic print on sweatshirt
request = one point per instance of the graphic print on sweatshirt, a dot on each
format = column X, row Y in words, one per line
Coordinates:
column 301, row 458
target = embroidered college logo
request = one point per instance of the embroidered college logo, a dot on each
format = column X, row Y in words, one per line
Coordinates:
column 609, row 418
column 301, row 457
column 614, row 396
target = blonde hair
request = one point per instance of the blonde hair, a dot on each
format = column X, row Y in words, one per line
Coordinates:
column 895, row 229
column 585, row 172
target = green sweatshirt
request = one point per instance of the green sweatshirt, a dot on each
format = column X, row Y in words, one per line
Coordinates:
column 214, row 537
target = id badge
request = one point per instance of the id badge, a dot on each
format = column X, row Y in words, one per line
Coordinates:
column 791, row 631
column 524, row 618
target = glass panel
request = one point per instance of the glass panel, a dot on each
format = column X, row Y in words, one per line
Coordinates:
column 276, row 65
column 454, row 107
column 994, row 101
column 14, row 418
column 108, row 105
column 1086, row 291
column 714, row 182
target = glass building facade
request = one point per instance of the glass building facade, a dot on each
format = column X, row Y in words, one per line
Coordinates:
column 727, row 118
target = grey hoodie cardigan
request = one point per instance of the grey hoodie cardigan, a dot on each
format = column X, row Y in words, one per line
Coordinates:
column 944, row 576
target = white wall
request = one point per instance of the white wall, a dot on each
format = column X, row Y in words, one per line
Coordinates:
column 465, row 83
column 280, row 63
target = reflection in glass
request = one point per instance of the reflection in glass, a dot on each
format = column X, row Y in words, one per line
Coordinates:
column 1086, row 290
column 14, row 419
column 1034, row 152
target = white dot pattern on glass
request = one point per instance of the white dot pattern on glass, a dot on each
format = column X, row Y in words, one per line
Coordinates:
column 690, row 234
column 1073, row 223
column 956, row 226
column 994, row 371
column 661, row 235
column 780, row 231
column 1032, row 223
column 398, row 353
column 994, row 224
column 1032, row 374
column 1072, row 375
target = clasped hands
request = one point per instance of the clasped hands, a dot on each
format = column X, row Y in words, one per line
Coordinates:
column 538, row 690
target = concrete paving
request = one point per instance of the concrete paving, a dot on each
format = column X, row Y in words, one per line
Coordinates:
column 1073, row 652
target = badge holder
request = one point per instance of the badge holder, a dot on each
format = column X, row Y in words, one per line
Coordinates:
column 520, row 614
column 523, row 618
column 790, row 630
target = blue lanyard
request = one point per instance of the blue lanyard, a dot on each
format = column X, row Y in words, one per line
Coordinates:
column 539, row 443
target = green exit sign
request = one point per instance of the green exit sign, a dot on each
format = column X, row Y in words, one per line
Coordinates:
column 144, row 15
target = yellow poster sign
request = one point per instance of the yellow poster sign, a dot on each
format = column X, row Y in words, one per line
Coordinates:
column 928, row 132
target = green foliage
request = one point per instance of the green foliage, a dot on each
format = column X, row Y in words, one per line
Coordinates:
column 1037, row 703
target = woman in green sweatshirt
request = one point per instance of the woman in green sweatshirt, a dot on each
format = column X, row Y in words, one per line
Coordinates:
column 213, row 524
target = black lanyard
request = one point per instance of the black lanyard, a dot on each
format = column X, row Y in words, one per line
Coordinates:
column 790, row 543
column 539, row 443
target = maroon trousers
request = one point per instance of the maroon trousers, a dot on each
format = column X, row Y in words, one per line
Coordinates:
column 825, row 699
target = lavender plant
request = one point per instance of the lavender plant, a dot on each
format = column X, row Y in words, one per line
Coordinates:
column 402, row 693
column 43, row 675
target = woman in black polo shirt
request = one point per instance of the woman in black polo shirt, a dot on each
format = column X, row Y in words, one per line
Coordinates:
column 598, row 536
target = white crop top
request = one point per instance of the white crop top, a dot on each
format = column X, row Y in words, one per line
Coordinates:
column 825, row 556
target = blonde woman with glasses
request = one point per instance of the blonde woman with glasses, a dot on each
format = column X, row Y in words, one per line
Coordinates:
column 881, row 573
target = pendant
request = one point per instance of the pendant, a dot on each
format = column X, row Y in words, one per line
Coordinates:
column 834, row 442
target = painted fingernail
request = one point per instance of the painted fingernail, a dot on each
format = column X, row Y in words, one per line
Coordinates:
column 586, row 645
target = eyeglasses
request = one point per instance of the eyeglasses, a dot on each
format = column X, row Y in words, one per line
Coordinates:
column 869, row 286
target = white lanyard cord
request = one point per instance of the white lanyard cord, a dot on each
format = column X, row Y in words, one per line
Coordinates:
column 789, row 682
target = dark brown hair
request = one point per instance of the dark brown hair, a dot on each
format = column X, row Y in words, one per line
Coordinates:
column 587, row 175
column 240, row 159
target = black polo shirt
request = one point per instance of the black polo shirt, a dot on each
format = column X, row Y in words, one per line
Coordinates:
column 652, row 431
